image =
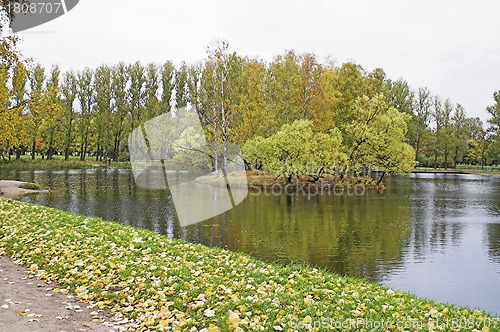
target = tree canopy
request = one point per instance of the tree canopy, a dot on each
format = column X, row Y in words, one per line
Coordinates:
column 304, row 115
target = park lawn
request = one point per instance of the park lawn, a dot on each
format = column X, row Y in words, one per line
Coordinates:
column 164, row 284
column 58, row 162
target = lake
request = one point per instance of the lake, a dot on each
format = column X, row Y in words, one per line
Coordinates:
column 435, row 235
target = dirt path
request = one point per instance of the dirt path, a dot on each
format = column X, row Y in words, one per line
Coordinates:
column 28, row 304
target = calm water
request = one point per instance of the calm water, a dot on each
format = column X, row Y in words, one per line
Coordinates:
column 437, row 236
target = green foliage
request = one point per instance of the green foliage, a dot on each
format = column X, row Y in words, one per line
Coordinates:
column 374, row 137
column 30, row 185
column 190, row 149
column 240, row 100
column 296, row 150
column 494, row 129
column 285, row 89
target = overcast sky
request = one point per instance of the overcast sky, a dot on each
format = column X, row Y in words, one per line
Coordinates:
column 452, row 47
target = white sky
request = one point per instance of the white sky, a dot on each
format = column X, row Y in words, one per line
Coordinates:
column 450, row 46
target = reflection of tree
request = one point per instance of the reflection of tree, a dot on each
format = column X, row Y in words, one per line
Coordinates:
column 493, row 231
column 434, row 200
column 110, row 194
column 346, row 234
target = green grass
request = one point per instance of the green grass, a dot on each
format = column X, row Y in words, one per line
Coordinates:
column 479, row 168
column 164, row 284
column 461, row 169
column 30, row 185
column 58, row 162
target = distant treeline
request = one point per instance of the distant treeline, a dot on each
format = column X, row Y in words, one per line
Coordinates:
column 238, row 99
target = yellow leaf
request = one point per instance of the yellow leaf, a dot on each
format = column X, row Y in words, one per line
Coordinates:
column 233, row 318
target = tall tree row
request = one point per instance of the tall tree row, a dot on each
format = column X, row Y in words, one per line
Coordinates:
column 92, row 111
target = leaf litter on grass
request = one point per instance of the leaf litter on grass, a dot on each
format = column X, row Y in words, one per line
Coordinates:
column 154, row 283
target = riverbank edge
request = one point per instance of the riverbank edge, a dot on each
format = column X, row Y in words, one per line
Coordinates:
column 158, row 283
column 429, row 170
column 16, row 189
column 60, row 164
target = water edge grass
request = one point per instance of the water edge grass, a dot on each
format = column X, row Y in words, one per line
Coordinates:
column 30, row 186
column 58, row 162
column 165, row 284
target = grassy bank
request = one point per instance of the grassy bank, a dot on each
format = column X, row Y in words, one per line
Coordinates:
column 462, row 169
column 58, row 162
column 165, row 284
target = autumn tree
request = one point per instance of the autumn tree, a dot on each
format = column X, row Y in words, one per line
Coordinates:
column 167, row 85
column 460, row 132
column 69, row 89
column 12, row 103
column 181, row 87
column 253, row 117
column 193, row 85
column 284, row 89
column 152, row 86
column 476, row 145
column 319, row 98
column 422, row 116
column 5, row 113
column 35, row 107
column 374, row 137
column 137, row 93
column 295, row 151
column 219, row 96
column 120, row 107
column 349, row 82
column 494, row 127
column 86, row 96
column 52, row 113
column 102, row 118
column 444, row 129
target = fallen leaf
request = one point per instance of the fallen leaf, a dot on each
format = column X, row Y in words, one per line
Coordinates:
column 209, row 313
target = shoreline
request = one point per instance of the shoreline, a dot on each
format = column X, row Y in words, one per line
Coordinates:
column 12, row 189
column 256, row 180
column 157, row 282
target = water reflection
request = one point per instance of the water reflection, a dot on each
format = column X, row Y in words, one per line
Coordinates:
column 448, row 254
column 435, row 235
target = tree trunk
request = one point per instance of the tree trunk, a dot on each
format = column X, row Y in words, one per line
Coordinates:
column 68, row 142
column 98, row 154
column 84, row 146
column 417, row 147
column 435, row 158
column 82, row 153
column 33, row 150
column 381, row 178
